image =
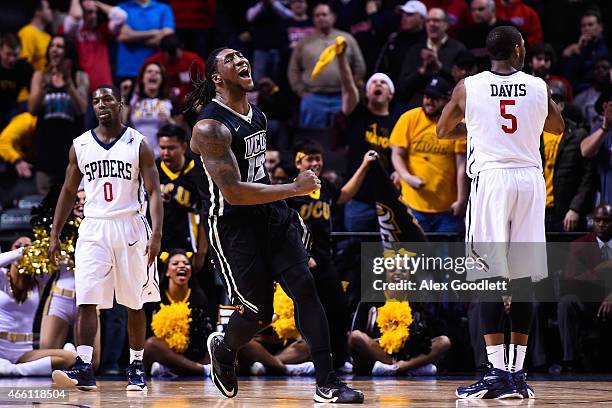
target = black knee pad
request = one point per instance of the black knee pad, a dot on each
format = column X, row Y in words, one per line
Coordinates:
column 522, row 290
column 298, row 284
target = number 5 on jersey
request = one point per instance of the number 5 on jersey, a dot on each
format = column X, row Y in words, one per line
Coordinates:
column 502, row 111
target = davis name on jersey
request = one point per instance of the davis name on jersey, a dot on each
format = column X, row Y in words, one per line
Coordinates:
column 112, row 182
column 504, row 117
column 508, row 90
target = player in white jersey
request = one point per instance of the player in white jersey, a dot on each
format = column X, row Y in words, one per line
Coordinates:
column 503, row 112
column 116, row 249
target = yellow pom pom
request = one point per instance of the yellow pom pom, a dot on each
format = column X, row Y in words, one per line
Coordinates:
column 171, row 323
column 393, row 319
column 284, row 325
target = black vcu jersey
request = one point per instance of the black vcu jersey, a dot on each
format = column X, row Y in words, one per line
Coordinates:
column 251, row 244
column 249, row 147
column 181, row 200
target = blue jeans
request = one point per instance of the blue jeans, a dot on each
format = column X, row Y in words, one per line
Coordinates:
column 439, row 222
column 360, row 217
column 266, row 63
column 318, row 110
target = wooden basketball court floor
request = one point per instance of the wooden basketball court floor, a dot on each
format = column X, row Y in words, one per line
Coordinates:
column 297, row 392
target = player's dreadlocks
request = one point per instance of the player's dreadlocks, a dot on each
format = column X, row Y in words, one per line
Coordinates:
column 204, row 88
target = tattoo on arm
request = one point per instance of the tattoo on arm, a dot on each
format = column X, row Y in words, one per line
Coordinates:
column 213, row 140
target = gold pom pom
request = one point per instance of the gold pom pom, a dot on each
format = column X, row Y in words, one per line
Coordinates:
column 284, row 325
column 35, row 259
column 393, row 319
column 171, row 323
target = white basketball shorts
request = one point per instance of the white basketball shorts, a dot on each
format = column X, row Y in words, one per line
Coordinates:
column 505, row 224
column 110, row 259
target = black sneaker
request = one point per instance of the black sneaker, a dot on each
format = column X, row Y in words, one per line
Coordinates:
column 494, row 384
column 336, row 391
column 520, row 379
column 136, row 377
column 222, row 374
column 81, row 375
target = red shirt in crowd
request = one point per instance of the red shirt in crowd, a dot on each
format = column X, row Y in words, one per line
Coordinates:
column 458, row 13
column 91, row 45
column 525, row 18
column 178, row 74
column 194, row 13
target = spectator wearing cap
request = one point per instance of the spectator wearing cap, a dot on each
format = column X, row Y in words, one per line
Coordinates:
column 579, row 57
column 432, row 171
column 321, row 99
column 524, row 17
column 148, row 21
column 411, row 30
column 543, row 58
column 366, row 125
column 598, row 144
column 433, row 57
column 475, row 34
column 458, row 13
column 571, row 180
column 180, row 66
column 91, row 37
column 465, row 65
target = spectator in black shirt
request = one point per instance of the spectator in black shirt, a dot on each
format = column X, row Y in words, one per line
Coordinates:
column 427, row 59
column 15, row 74
column 315, row 209
column 267, row 28
column 180, row 176
column 410, row 31
column 365, row 126
column 475, row 34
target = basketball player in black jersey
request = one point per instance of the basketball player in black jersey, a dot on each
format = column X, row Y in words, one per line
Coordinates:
column 254, row 236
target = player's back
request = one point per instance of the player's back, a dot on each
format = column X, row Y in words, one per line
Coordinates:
column 111, row 174
column 504, row 117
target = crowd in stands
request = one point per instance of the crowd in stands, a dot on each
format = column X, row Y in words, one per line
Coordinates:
column 378, row 101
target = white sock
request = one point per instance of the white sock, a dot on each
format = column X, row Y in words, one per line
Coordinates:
column 85, row 353
column 136, row 355
column 40, row 367
column 496, row 356
column 516, row 357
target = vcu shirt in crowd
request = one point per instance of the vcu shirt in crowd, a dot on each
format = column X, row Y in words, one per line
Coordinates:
column 181, row 205
column 315, row 210
column 429, row 158
column 551, row 146
column 366, row 131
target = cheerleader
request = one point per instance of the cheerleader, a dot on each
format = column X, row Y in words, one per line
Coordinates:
column 414, row 357
column 60, row 311
column 168, row 353
column 19, row 299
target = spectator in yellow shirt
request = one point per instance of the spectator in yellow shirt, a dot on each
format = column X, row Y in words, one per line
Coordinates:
column 35, row 40
column 432, row 171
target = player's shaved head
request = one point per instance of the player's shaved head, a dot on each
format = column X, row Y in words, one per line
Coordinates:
column 502, row 41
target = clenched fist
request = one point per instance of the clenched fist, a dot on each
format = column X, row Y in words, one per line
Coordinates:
column 306, row 182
